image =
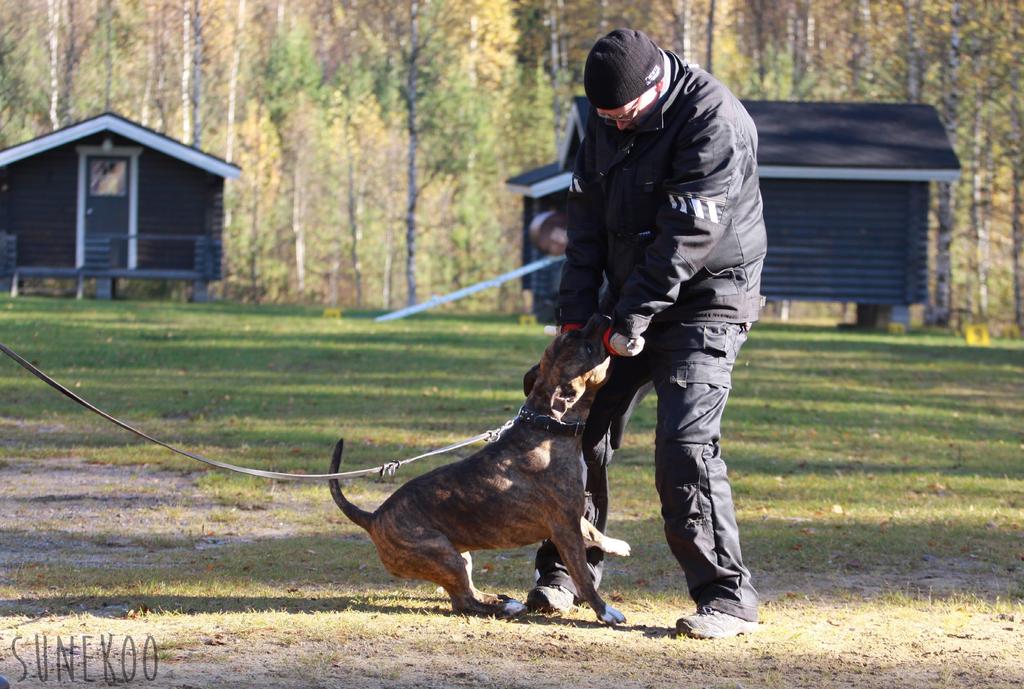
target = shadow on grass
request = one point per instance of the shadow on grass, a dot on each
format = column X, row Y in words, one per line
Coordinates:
column 941, row 558
column 119, row 606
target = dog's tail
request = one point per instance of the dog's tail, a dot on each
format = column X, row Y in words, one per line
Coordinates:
column 359, row 516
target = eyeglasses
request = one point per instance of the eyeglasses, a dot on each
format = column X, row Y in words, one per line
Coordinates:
column 632, row 109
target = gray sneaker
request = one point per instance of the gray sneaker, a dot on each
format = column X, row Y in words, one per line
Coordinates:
column 550, row 599
column 708, row 623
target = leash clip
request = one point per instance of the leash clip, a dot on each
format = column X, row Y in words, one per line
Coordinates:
column 496, row 433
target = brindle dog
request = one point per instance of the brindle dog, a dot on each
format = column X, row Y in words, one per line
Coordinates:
column 524, row 487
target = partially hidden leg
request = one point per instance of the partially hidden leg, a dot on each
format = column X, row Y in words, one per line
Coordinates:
column 627, row 385
column 593, row 538
column 432, row 556
column 509, row 606
column 569, row 542
column 479, row 595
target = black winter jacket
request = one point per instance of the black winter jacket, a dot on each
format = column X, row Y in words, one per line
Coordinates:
column 669, row 213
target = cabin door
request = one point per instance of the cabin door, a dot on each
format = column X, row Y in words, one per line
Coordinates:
column 107, row 198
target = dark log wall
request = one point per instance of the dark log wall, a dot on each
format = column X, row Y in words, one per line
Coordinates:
column 38, row 203
column 173, row 200
column 841, row 240
column 917, row 243
column 863, row 242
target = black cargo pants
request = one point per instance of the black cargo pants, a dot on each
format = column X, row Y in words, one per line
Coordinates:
column 690, row 368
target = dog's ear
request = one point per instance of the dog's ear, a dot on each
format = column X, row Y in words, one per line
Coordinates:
column 529, row 379
column 596, row 326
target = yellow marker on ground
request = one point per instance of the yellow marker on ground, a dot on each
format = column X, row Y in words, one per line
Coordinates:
column 897, row 329
column 977, row 335
column 527, row 319
column 332, row 313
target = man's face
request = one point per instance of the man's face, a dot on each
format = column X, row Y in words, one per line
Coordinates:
column 626, row 116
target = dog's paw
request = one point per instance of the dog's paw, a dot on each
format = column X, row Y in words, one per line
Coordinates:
column 611, row 616
column 614, row 546
column 512, row 608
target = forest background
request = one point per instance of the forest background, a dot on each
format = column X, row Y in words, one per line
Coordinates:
column 375, row 137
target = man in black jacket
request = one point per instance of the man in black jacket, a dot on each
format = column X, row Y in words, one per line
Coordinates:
column 666, row 236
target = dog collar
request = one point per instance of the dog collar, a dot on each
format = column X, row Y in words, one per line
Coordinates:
column 549, row 423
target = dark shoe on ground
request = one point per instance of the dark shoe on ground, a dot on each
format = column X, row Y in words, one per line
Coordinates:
column 707, row 623
column 550, row 599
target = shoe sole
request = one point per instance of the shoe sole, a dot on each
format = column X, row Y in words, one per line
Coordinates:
column 545, row 606
column 682, row 630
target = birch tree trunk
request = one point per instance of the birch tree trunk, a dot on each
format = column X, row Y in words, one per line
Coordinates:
column 1017, row 169
column 197, row 73
column 973, row 287
column 254, row 227
column 298, row 229
column 758, row 10
column 1018, row 236
column 147, row 90
column 334, row 274
column 474, row 51
column 798, row 22
column 108, row 19
column 681, row 28
column 710, row 40
column 858, row 46
column 985, row 229
column 71, row 56
column 413, row 191
column 355, row 230
column 388, row 266
column 940, row 308
column 861, row 56
column 555, row 67
column 53, row 35
column 236, row 64
column 912, row 10
column 160, row 91
column 186, row 71
column 986, row 70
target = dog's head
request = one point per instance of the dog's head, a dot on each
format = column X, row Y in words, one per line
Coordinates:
column 573, row 366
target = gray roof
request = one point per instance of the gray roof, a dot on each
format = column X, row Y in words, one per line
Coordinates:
column 113, row 122
column 903, row 142
column 539, row 174
column 861, row 135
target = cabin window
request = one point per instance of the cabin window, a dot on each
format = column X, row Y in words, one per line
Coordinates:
column 108, row 177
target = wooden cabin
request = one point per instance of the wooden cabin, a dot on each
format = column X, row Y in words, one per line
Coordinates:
column 845, row 188
column 106, row 199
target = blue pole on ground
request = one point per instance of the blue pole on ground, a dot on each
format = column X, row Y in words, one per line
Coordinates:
column 472, row 289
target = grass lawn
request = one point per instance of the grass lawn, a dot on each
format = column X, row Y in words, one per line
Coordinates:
column 879, row 483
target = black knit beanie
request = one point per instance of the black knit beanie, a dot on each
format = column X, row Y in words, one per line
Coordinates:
column 620, row 67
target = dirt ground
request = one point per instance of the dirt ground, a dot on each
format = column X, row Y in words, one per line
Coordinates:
column 878, row 629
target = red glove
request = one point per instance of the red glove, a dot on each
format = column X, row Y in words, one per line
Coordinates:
column 618, row 344
column 566, row 327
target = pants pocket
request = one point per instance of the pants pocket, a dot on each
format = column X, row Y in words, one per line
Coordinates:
column 682, row 483
column 688, row 526
column 710, row 373
column 690, row 503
